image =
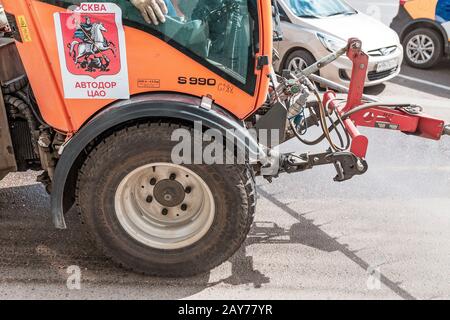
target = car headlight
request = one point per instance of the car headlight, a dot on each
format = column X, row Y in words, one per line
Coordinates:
column 331, row 43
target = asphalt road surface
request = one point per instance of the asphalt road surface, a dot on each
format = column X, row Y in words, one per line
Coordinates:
column 384, row 235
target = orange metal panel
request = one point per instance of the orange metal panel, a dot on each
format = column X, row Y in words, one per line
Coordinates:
column 39, row 64
column 422, row 9
column 149, row 58
column 266, row 40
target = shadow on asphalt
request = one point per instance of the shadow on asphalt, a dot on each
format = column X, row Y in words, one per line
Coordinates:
column 32, row 251
column 307, row 233
column 440, row 74
column 375, row 90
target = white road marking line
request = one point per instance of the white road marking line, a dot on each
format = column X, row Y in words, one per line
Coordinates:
column 432, row 84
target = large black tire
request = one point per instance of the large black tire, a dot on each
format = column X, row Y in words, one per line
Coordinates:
column 111, row 160
column 438, row 48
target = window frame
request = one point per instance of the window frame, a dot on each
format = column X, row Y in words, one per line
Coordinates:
column 250, row 84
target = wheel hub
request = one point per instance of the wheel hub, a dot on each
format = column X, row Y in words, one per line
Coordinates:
column 420, row 49
column 164, row 206
column 169, row 193
column 297, row 64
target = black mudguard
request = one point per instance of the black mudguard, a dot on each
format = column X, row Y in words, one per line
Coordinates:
column 147, row 106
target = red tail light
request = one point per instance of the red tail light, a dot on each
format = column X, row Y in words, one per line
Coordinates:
column 403, row 2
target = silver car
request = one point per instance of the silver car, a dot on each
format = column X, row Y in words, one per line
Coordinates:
column 314, row 28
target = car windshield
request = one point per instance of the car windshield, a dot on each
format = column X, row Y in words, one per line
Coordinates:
column 319, row 8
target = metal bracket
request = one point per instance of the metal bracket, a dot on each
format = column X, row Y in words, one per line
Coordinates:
column 274, row 124
column 206, row 103
column 346, row 163
column 262, row 61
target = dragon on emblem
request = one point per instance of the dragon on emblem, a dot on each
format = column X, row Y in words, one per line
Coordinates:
column 88, row 50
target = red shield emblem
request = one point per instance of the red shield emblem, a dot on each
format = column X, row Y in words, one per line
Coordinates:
column 90, row 41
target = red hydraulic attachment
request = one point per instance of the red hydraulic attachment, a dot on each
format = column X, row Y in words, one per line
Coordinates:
column 405, row 120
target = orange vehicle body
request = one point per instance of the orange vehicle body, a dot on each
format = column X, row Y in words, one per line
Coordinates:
column 147, row 57
column 114, row 159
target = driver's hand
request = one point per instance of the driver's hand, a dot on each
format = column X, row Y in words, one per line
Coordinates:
column 153, row 11
column 5, row 29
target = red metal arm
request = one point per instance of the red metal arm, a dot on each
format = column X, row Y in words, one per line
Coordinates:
column 377, row 117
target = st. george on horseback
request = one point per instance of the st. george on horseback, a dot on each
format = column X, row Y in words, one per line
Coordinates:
column 88, row 49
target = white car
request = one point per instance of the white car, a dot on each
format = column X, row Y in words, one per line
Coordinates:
column 314, row 28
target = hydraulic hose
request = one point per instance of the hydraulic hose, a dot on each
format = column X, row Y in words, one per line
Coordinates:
column 377, row 104
column 23, row 96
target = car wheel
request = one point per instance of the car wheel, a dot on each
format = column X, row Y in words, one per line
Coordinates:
column 159, row 218
column 423, row 48
column 298, row 60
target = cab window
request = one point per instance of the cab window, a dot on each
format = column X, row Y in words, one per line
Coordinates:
column 220, row 34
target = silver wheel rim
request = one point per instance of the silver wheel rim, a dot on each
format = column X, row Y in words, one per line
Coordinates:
column 420, row 49
column 297, row 64
column 165, row 206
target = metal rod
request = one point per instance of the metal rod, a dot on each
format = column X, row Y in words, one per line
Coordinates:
column 340, row 88
column 323, row 62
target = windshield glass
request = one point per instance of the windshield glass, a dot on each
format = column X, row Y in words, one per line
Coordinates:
column 219, row 32
column 319, row 8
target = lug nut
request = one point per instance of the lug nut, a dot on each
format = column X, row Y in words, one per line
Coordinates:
column 153, row 181
column 188, row 190
column 173, row 176
column 165, row 212
column 149, row 199
column 184, row 207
